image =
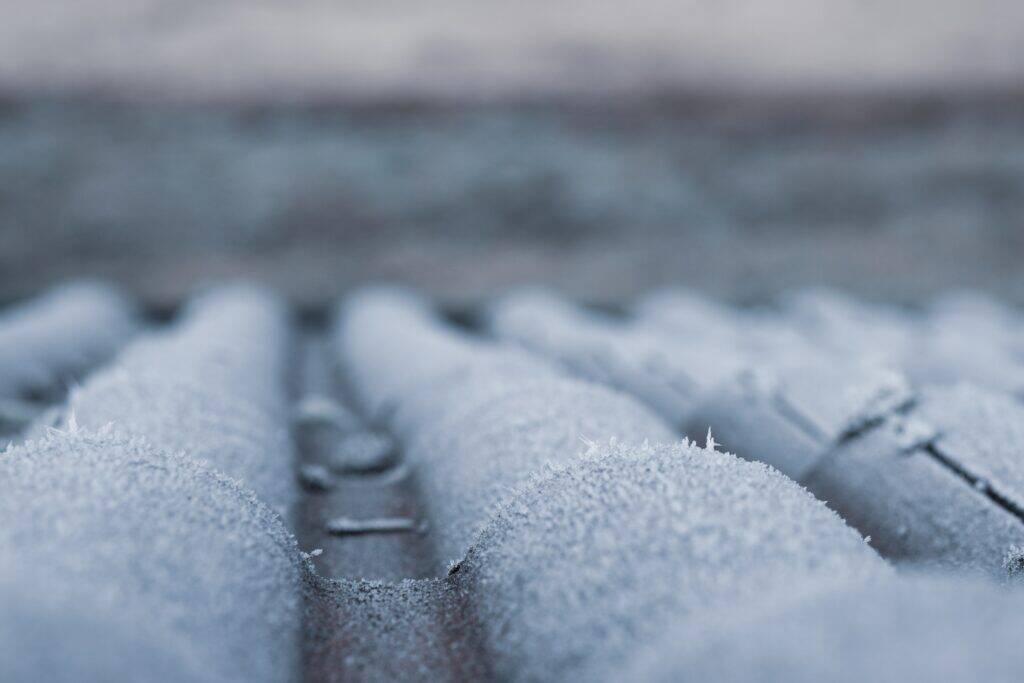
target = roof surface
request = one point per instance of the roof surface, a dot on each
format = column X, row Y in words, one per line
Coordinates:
column 240, row 494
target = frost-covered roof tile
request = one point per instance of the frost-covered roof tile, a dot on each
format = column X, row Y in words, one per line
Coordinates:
column 530, row 479
column 666, row 371
column 54, row 338
column 127, row 534
column 213, row 386
column 591, row 560
column 912, row 629
column 983, row 434
column 477, row 418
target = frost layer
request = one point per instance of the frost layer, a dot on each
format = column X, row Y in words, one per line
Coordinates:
column 476, row 418
column 909, row 629
column 941, row 485
column 53, row 339
column 143, row 556
column 212, row 386
column 666, row 374
column 592, row 560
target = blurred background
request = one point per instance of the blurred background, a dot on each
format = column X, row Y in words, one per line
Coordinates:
column 742, row 147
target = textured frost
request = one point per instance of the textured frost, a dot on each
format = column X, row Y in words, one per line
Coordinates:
column 791, row 411
column 476, row 418
column 145, row 556
column 882, row 475
column 212, row 386
column 491, row 441
column 983, row 433
column 393, row 347
column 909, row 629
column 826, row 388
column 591, row 560
column 835, row 418
column 668, row 375
column 687, row 313
column 53, row 339
column 961, row 337
column 968, row 338
column 836, row 398
column 1013, row 562
column 689, row 316
column 851, row 328
column 950, row 501
column 56, row 632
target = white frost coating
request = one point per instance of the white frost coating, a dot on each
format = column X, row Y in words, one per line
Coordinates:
column 930, row 505
column 894, row 630
column 686, row 312
column 590, row 561
column 55, row 632
column 668, row 374
column 212, row 386
column 792, row 408
column 853, row 329
column 792, row 400
column 969, row 338
column 491, row 439
column 871, row 462
column 143, row 556
column 56, row 337
column 836, row 397
column 392, row 346
column 798, row 408
column 962, row 337
column 476, row 418
column 750, row 333
column 981, row 314
column 983, row 433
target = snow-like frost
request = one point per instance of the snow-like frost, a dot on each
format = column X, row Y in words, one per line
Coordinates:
column 790, row 413
column 953, row 499
column 591, row 560
column 476, row 418
column 687, row 316
column 915, row 628
column 397, row 354
column 213, row 386
column 686, row 312
column 667, row 373
column 969, row 338
column 143, row 559
column 53, row 339
column 584, row 538
column 700, row 351
column 959, row 337
column 982, row 432
column 51, row 630
column 851, row 328
column 836, row 417
column 874, row 463
column 1013, row 561
column 828, row 408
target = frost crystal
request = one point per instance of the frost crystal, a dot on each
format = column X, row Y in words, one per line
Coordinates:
column 1013, row 561
column 709, row 441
